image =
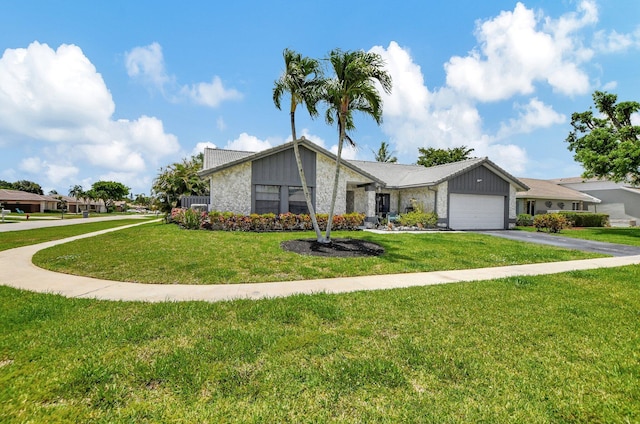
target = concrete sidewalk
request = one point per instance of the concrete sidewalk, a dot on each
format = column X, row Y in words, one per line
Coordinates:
column 19, row 272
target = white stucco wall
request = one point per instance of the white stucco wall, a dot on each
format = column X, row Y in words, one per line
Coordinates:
column 231, row 189
column 325, row 172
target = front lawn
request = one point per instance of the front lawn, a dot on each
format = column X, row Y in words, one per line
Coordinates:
column 12, row 239
column 546, row 349
column 160, row 253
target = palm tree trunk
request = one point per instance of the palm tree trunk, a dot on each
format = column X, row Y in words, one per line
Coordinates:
column 303, row 181
column 334, row 195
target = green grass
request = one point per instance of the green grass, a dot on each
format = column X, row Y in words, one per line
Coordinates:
column 547, row 349
column 12, row 239
column 160, row 253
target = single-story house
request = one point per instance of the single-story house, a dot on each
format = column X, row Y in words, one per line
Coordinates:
column 620, row 201
column 471, row 194
column 545, row 196
column 16, row 200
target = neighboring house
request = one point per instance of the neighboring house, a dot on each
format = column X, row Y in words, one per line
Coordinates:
column 471, row 194
column 26, row 202
column 619, row 200
column 545, row 196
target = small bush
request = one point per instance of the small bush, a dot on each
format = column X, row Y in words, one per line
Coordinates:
column 524, row 220
column 551, row 222
column 586, row 219
column 418, row 218
column 228, row 221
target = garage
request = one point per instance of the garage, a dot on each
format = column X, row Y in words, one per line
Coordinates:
column 476, row 212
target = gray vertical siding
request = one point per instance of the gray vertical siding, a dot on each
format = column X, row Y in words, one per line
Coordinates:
column 281, row 168
column 479, row 180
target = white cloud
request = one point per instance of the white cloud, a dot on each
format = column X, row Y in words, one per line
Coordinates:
column 515, row 53
column 210, row 94
column 348, row 152
column 147, row 64
column 614, row 42
column 220, row 124
column 199, row 148
column 58, row 97
column 416, row 117
column 611, row 85
column 248, row 143
column 531, row 116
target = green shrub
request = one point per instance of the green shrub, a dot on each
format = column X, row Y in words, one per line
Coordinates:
column 587, row 219
column 551, row 222
column 524, row 220
column 418, row 218
column 228, row 221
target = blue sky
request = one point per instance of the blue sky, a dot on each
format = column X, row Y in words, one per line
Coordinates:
column 114, row 90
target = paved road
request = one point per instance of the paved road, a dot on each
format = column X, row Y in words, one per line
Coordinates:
column 567, row 242
column 30, row 225
column 18, row 271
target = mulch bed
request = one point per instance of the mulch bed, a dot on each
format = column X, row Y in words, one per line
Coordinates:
column 338, row 248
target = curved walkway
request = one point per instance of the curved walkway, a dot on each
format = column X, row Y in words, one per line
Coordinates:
column 18, row 271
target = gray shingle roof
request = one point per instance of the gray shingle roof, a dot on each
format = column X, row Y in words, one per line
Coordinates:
column 22, row 196
column 217, row 157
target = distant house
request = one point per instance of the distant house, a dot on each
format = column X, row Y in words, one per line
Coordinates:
column 471, row 194
column 16, row 200
column 620, row 201
column 545, row 196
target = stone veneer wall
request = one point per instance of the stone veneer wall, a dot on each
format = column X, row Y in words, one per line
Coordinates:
column 325, row 171
column 231, row 189
column 442, row 207
column 512, row 206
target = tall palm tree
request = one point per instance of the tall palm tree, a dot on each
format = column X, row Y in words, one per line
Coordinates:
column 78, row 192
column 352, row 88
column 384, row 154
column 302, row 79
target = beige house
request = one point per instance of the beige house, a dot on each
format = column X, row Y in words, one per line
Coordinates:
column 545, row 196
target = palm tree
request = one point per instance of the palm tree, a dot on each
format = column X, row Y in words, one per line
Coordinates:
column 352, row 89
column 302, row 79
column 383, row 154
column 78, row 192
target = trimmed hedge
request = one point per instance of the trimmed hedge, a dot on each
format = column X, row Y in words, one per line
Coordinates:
column 586, row 219
column 551, row 222
column 229, row 221
column 524, row 220
column 418, row 219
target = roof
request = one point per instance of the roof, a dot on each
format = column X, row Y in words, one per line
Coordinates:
column 545, row 189
column 23, row 196
column 222, row 159
column 391, row 175
column 406, row 176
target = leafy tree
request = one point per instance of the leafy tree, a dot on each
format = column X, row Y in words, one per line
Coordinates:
column 607, row 144
column 432, row 156
column 28, row 186
column 76, row 191
column 353, row 88
column 180, row 179
column 302, row 79
column 384, row 154
column 52, row 192
column 6, row 185
column 109, row 192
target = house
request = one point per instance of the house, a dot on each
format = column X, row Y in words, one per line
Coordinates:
column 471, row 194
column 545, row 196
column 620, row 201
column 16, row 200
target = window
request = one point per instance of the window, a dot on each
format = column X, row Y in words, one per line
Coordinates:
column 531, row 207
column 297, row 203
column 576, row 206
column 383, row 200
column 267, row 199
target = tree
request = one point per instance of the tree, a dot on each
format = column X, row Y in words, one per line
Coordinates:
column 28, row 186
column 608, row 144
column 384, row 154
column 302, row 79
column 109, row 192
column 352, row 89
column 180, row 179
column 432, row 156
column 6, row 185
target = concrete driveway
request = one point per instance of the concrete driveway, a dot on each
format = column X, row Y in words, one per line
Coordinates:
column 567, row 242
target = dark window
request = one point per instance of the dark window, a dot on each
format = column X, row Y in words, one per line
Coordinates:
column 531, row 207
column 267, row 199
column 382, row 202
column 297, row 203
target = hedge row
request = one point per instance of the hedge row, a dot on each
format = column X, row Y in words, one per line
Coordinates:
column 582, row 219
column 229, row 221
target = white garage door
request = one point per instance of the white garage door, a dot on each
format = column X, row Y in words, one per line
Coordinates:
column 476, row 212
